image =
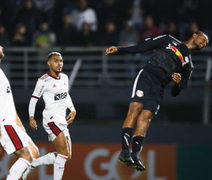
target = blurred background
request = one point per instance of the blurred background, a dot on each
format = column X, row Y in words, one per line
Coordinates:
column 178, row 143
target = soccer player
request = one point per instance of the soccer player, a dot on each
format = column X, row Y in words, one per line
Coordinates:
column 13, row 136
column 170, row 61
column 53, row 86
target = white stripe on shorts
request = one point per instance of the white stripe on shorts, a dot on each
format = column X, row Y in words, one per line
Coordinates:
column 135, row 83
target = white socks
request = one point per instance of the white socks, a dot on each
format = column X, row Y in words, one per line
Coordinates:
column 45, row 160
column 59, row 165
column 17, row 169
column 58, row 160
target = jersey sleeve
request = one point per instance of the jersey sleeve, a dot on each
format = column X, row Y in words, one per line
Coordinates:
column 39, row 89
column 149, row 45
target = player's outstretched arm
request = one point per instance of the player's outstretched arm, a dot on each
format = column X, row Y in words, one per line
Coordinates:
column 111, row 50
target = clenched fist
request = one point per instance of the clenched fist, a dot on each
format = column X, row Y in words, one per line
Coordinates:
column 176, row 77
column 111, row 50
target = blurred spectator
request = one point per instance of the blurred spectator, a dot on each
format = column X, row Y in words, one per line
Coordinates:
column 29, row 16
column 110, row 36
column 149, row 29
column 10, row 10
column 4, row 37
column 84, row 14
column 19, row 39
column 2, row 17
column 46, row 8
column 191, row 29
column 86, row 37
column 67, row 34
column 44, row 38
column 113, row 10
column 137, row 14
column 171, row 29
column 128, row 35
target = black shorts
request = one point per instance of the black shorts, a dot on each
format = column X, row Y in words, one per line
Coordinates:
column 147, row 91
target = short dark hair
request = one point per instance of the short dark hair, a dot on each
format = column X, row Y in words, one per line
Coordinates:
column 53, row 53
column 200, row 32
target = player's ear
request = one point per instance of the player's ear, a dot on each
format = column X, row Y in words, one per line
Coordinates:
column 48, row 63
column 194, row 35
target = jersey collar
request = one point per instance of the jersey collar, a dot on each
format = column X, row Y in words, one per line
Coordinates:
column 53, row 76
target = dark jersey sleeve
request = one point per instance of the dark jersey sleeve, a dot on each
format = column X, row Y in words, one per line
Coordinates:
column 149, row 45
column 186, row 74
column 176, row 88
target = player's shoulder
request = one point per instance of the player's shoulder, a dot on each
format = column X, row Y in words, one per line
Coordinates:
column 43, row 77
column 171, row 38
column 63, row 75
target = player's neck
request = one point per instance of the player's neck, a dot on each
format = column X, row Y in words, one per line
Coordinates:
column 54, row 74
column 189, row 45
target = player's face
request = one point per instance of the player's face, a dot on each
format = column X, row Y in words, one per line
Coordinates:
column 55, row 63
column 201, row 41
column 1, row 52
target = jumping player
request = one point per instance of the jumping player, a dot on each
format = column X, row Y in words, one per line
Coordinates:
column 170, row 61
column 53, row 86
column 13, row 136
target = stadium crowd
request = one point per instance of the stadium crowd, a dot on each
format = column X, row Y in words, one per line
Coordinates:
column 47, row 23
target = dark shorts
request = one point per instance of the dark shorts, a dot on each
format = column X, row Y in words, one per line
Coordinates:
column 147, row 91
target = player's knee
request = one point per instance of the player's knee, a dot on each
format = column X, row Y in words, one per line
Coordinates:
column 144, row 122
column 36, row 154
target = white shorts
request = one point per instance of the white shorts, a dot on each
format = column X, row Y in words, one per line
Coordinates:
column 54, row 129
column 13, row 138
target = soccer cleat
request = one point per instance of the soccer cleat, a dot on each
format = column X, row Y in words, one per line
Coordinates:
column 137, row 163
column 125, row 157
column 27, row 171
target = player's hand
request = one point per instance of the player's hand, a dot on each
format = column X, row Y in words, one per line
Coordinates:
column 176, row 77
column 33, row 123
column 70, row 117
column 111, row 50
column 1, row 52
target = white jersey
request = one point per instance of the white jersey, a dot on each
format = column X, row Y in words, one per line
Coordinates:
column 7, row 106
column 55, row 95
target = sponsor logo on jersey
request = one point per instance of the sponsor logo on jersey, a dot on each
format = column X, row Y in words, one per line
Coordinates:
column 54, row 86
column 139, row 93
column 178, row 53
column 60, row 96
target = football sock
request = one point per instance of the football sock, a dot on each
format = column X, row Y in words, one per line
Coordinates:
column 137, row 144
column 18, row 169
column 126, row 138
column 45, row 160
column 59, row 166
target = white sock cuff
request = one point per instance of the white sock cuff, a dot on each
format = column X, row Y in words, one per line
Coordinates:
column 24, row 160
column 62, row 156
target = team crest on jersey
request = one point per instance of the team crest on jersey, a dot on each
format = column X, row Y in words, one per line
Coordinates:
column 177, row 53
column 139, row 93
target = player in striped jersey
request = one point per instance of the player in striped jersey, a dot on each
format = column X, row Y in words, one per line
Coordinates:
column 53, row 87
column 13, row 136
column 170, row 61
